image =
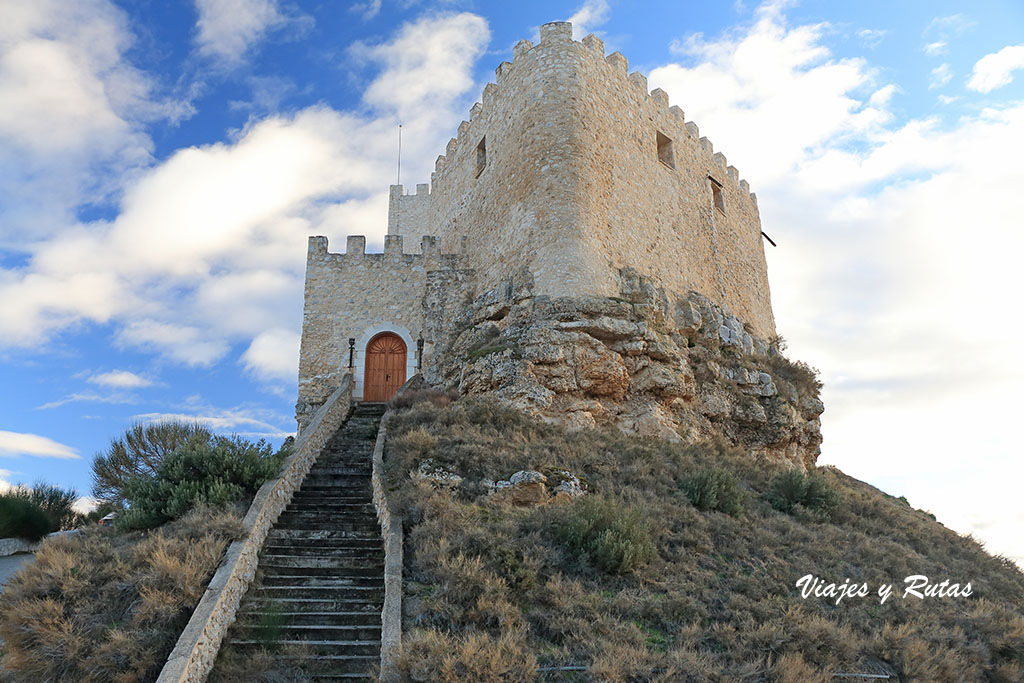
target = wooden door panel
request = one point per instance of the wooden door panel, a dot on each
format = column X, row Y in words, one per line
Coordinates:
column 385, row 367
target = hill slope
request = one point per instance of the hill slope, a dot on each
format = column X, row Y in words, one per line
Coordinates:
column 633, row 582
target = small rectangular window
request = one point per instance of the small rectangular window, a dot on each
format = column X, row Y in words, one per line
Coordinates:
column 665, row 155
column 481, row 156
column 719, row 197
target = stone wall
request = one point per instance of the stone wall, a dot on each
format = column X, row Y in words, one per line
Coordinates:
column 196, row 650
column 648, row 361
column 558, row 170
column 354, row 295
column 408, row 215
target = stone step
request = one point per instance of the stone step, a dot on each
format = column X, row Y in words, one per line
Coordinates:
column 321, row 550
column 318, row 632
column 365, row 529
column 342, row 565
column 374, row 594
column 340, row 648
column 312, row 498
column 353, row 507
column 350, row 571
column 326, row 536
column 364, row 618
column 313, row 605
column 334, row 665
column 323, row 581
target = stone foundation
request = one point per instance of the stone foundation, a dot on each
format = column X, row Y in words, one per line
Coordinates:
column 648, row 362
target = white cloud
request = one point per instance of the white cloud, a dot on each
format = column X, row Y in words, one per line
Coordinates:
column 207, row 251
column 588, row 16
column 228, row 29
column 72, row 114
column 85, row 504
column 90, row 397
column 871, row 38
column 939, row 47
column 368, row 9
column 427, row 64
column 940, row 76
column 273, row 355
column 230, row 420
column 6, row 485
column 120, row 378
column 18, row 443
column 886, row 260
column 996, row 70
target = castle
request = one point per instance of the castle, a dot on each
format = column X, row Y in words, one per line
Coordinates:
column 569, row 185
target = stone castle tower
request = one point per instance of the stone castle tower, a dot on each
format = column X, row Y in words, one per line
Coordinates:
column 571, row 196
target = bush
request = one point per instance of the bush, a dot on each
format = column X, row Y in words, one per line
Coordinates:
column 715, row 489
column 21, row 518
column 138, row 453
column 213, row 471
column 612, row 537
column 56, row 503
column 793, row 492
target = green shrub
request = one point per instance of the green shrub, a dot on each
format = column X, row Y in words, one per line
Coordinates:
column 138, row 453
column 213, row 471
column 21, row 518
column 794, row 492
column 56, row 503
column 614, row 538
column 715, row 489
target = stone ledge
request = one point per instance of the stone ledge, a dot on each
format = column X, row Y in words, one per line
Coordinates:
column 391, row 530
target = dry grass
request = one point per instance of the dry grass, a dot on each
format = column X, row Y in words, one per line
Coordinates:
column 716, row 601
column 102, row 606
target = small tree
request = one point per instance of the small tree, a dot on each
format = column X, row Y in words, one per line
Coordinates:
column 138, row 453
column 203, row 471
column 56, row 503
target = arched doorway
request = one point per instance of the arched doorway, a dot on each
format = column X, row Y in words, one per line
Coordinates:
column 385, row 367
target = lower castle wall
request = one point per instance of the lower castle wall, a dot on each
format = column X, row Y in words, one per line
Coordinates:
column 358, row 295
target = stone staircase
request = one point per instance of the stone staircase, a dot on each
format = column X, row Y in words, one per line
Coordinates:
column 320, row 591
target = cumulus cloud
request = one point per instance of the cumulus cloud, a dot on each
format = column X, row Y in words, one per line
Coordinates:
column 427, row 64
column 73, row 111
column 273, row 355
column 206, row 252
column 228, row 29
column 886, row 230
column 19, row 443
column 588, row 16
column 122, row 379
column 996, row 70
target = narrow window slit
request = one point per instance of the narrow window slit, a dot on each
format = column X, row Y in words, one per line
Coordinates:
column 665, row 155
column 481, row 156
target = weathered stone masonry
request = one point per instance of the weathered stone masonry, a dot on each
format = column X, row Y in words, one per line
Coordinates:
column 567, row 175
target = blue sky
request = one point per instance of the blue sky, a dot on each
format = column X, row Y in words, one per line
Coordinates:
column 161, row 165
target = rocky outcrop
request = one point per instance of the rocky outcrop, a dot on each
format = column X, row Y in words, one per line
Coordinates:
column 648, row 362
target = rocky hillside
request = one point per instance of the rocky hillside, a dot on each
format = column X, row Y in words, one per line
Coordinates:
column 538, row 553
column 648, row 362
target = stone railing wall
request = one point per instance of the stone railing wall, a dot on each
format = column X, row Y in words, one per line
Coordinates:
column 12, row 546
column 391, row 530
column 192, row 658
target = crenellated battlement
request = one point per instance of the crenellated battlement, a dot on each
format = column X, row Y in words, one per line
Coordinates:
column 591, row 48
column 568, row 172
column 394, row 252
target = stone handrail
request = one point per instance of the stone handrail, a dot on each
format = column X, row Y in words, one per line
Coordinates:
column 391, row 531
column 193, row 657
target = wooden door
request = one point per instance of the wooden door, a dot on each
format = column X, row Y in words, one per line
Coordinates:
column 385, row 367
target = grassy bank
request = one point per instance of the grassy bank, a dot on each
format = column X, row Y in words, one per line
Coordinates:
column 679, row 564
column 107, row 606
